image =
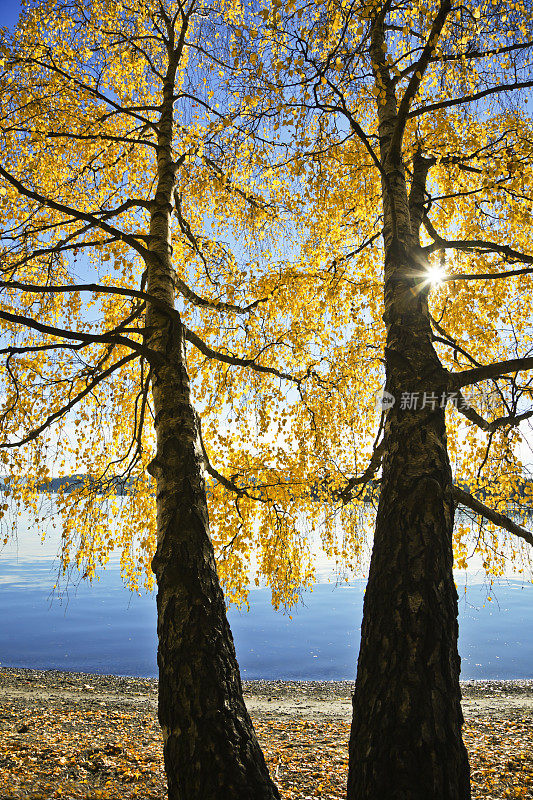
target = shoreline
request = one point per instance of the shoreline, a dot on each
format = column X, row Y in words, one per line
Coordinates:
column 81, row 736
column 269, row 698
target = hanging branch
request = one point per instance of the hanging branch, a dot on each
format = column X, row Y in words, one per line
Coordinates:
column 73, row 402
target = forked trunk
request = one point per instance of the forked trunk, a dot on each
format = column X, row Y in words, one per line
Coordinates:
column 210, row 747
column 406, row 739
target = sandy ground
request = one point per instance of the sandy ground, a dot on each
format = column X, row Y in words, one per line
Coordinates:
column 284, row 699
column 90, row 737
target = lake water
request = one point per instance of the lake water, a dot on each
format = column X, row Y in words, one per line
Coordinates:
column 103, row 628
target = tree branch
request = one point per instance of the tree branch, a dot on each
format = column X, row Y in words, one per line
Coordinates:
column 73, row 212
column 228, row 483
column 416, row 78
column 417, row 195
column 475, row 244
column 504, row 87
column 252, row 199
column 97, row 137
column 466, row 499
column 373, row 466
column 496, row 370
column 78, row 336
column 235, row 361
column 71, row 79
column 181, row 286
column 66, row 408
column 449, row 341
column 488, row 276
column 490, row 427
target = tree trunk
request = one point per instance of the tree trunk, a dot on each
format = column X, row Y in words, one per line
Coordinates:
column 210, row 747
column 211, row 751
column 406, row 739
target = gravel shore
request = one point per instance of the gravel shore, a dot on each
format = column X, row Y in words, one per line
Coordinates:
column 312, row 699
column 80, row 736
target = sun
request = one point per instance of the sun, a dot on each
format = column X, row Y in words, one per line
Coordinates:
column 435, row 275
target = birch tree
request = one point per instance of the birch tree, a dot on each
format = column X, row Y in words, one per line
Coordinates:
column 413, row 138
column 411, row 143
column 117, row 138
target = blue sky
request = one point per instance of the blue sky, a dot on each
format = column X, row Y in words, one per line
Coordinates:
column 9, row 13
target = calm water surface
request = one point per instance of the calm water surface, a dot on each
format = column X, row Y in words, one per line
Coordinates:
column 103, row 628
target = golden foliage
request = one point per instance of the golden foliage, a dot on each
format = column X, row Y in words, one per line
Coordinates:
column 278, row 200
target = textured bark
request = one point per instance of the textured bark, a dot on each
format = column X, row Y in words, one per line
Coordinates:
column 211, row 751
column 406, row 741
column 210, row 747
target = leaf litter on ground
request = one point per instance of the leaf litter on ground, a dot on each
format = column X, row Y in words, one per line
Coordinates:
column 83, row 747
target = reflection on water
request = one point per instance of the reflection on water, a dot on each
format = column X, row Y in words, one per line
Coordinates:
column 103, row 628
